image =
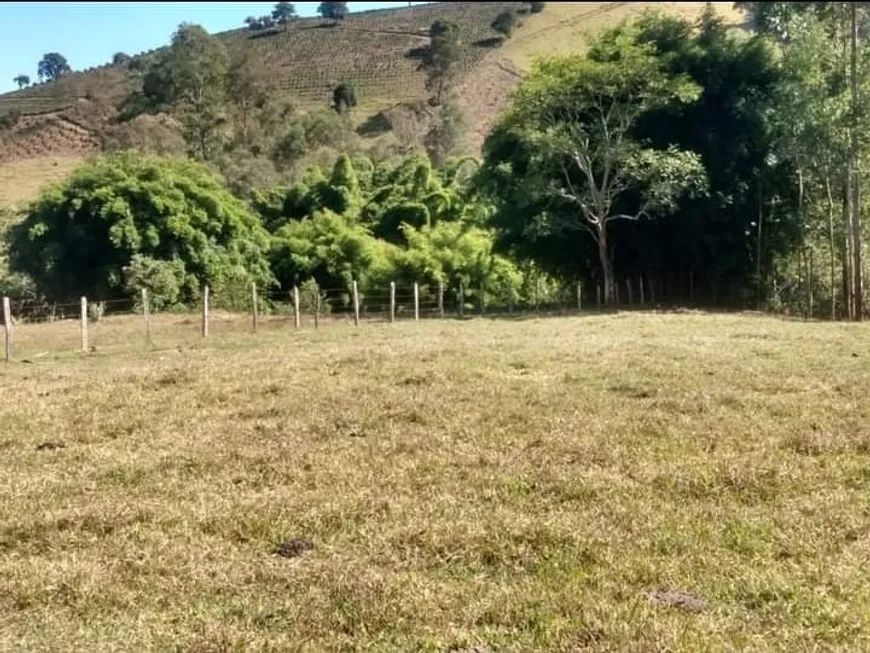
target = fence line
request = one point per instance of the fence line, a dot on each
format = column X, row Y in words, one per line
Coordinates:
column 265, row 308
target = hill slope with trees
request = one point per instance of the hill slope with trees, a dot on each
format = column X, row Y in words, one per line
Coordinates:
column 381, row 55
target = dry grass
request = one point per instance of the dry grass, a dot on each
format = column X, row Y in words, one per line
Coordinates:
column 565, row 27
column 521, row 485
column 21, row 181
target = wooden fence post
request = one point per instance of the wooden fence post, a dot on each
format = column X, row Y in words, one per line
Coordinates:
column 461, row 300
column 296, row 318
column 482, row 298
column 254, row 304
column 392, row 301
column 441, row 298
column 205, row 311
column 416, row 301
column 579, row 296
column 640, row 285
column 355, row 304
column 84, row 320
column 7, row 327
column 146, row 315
column 316, row 306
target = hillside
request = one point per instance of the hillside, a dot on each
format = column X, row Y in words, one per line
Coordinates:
column 377, row 51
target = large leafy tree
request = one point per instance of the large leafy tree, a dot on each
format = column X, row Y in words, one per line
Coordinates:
column 190, row 78
column 130, row 221
column 726, row 239
column 22, row 81
column 53, row 66
column 564, row 158
column 199, row 66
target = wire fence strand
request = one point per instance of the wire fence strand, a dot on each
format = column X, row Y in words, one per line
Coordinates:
column 42, row 328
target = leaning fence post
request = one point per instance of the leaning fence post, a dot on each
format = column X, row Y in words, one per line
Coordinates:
column 254, row 305
column 146, row 317
column 482, row 298
column 355, row 304
column 461, row 300
column 84, row 320
column 296, row 319
column 416, row 301
column 205, row 311
column 392, row 301
column 441, row 298
column 7, row 327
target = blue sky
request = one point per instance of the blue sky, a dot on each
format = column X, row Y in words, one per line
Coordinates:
column 89, row 33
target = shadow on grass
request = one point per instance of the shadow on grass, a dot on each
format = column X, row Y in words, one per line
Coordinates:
column 504, row 315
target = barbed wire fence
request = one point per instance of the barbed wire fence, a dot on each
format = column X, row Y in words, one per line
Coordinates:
column 35, row 329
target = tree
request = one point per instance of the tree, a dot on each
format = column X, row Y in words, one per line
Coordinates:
column 247, row 94
column 53, row 66
column 441, row 57
column 811, row 128
column 840, row 28
column 537, row 7
column 726, row 243
column 120, row 59
column 445, row 135
column 333, row 250
column 335, row 11
column 284, row 13
column 504, row 23
column 343, row 98
column 197, row 67
column 563, row 158
column 773, row 18
column 855, row 164
column 130, row 221
column 22, row 81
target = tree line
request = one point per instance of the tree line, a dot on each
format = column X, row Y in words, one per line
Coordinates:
column 706, row 164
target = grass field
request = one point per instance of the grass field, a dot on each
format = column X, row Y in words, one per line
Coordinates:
column 520, row 485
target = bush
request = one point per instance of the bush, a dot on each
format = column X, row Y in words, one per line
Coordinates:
column 10, row 119
column 102, row 232
column 164, row 281
column 505, row 23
